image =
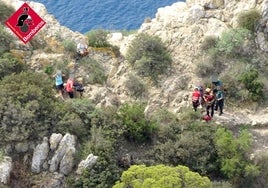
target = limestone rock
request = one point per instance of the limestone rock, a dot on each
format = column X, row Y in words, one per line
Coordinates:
column 67, row 142
column 87, row 163
column 67, row 162
column 40, row 155
column 5, row 169
column 54, row 141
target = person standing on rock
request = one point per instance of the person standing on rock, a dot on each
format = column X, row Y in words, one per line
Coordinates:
column 219, row 101
column 59, row 83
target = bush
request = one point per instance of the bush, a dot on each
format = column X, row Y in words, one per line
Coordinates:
column 102, row 140
column 249, row 19
column 49, row 70
column 253, row 84
column 161, row 176
column 137, row 127
column 231, row 42
column 168, row 125
column 193, row 147
column 5, row 12
column 69, row 45
column 105, row 172
column 262, row 161
column 98, row 38
column 232, row 152
column 26, row 107
column 5, row 40
column 135, row 86
column 149, row 56
column 96, row 73
column 10, row 65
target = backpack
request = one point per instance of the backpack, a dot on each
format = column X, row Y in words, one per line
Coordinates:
column 78, row 87
column 207, row 118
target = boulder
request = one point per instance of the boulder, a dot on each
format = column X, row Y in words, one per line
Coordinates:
column 68, row 141
column 54, row 141
column 87, row 163
column 67, row 162
column 40, row 155
column 5, row 169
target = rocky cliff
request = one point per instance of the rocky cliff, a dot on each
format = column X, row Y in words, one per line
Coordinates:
column 183, row 27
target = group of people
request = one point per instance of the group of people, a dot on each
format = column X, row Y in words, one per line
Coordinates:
column 69, row 86
column 211, row 98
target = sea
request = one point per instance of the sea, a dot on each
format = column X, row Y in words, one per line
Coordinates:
column 87, row 15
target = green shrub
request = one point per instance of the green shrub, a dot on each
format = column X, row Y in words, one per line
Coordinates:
column 26, row 107
column 249, row 19
column 5, row 12
column 105, row 172
column 188, row 116
column 168, row 125
column 161, row 176
column 135, row 86
column 49, row 70
column 5, row 40
column 261, row 160
column 193, row 147
column 10, row 65
column 98, row 38
column 232, row 152
column 96, row 73
column 253, row 84
column 69, row 45
column 231, row 41
column 137, row 127
column 149, row 56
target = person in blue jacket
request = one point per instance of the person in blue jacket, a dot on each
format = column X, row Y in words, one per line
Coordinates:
column 59, row 83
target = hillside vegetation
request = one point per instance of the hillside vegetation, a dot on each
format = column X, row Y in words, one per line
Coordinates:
column 135, row 148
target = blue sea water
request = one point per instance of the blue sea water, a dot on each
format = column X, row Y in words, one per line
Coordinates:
column 85, row 15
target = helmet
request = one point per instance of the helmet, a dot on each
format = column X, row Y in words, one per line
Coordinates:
column 208, row 90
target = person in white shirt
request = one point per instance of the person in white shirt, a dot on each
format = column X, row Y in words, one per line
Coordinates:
column 82, row 48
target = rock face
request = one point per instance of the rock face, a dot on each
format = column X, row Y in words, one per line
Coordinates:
column 40, row 155
column 5, row 169
column 65, row 150
column 54, row 141
column 62, row 150
column 87, row 163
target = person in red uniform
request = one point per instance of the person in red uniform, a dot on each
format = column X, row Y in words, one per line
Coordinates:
column 209, row 99
column 196, row 98
column 69, row 87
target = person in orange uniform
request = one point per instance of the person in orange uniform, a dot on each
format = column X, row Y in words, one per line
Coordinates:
column 196, row 98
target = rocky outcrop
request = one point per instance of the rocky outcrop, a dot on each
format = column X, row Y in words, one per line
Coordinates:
column 87, row 163
column 67, row 142
column 5, row 169
column 40, row 155
column 54, row 141
column 61, row 150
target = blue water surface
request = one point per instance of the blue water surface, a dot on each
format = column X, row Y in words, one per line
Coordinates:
column 85, row 15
